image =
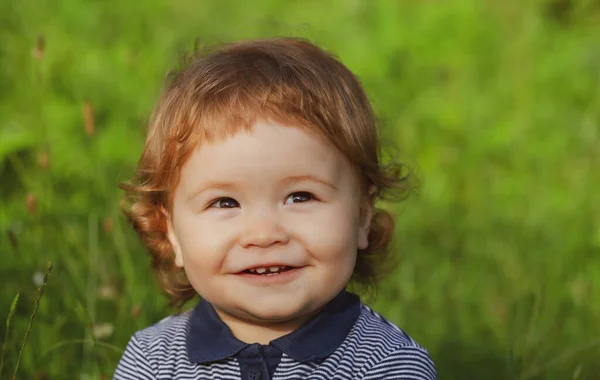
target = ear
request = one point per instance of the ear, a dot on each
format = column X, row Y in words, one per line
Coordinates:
column 367, row 211
column 173, row 240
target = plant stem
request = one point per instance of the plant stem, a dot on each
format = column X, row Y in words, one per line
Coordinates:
column 35, row 309
column 13, row 306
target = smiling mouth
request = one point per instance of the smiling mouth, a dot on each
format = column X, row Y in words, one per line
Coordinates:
column 268, row 271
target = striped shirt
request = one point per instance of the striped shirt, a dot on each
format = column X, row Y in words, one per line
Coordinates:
column 347, row 340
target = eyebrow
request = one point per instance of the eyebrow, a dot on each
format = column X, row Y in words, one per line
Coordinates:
column 311, row 178
column 229, row 186
column 226, row 186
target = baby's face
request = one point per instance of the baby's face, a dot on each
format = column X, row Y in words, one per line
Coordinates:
column 267, row 224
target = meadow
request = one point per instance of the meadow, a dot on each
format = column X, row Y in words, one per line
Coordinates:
column 495, row 104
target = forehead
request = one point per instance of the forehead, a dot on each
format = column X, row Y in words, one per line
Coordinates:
column 266, row 152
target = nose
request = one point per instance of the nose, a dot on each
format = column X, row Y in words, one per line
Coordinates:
column 263, row 230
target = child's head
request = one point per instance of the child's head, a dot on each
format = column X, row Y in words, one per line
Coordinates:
column 263, row 153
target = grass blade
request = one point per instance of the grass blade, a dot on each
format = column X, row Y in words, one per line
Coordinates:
column 13, row 306
column 35, row 309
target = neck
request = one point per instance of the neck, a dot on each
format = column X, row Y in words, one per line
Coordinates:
column 263, row 332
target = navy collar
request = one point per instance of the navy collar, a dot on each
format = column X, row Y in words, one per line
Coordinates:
column 210, row 340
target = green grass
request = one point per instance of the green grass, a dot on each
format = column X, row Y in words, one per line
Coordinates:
column 497, row 104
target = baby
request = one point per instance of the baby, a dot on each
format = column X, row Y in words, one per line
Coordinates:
column 256, row 191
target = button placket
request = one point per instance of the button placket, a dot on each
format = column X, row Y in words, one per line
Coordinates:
column 254, row 374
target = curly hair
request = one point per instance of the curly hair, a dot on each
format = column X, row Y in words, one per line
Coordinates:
column 228, row 88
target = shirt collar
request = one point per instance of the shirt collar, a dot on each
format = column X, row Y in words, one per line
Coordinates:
column 210, row 340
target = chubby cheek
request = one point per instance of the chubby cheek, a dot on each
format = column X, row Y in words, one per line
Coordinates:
column 204, row 246
column 331, row 239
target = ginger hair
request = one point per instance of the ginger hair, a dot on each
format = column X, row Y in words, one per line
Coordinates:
column 228, row 88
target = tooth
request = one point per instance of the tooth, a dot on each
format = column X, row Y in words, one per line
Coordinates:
column 252, row 270
column 261, row 270
column 273, row 269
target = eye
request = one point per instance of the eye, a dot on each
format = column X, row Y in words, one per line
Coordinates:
column 299, row 197
column 224, row 203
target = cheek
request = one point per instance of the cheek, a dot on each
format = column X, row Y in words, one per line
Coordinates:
column 332, row 236
column 204, row 244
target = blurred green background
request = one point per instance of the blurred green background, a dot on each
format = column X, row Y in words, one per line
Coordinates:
column 495, row 103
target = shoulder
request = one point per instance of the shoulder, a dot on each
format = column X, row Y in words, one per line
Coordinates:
column 169, row 331
column 377, row 349
column 396, row 354
column 373, row 328
column 155, row 349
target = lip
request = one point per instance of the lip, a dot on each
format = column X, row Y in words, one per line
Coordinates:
column 281, row 278
column 268, row 265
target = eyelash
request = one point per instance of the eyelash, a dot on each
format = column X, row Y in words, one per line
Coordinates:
column 305, row 194
column 310, row 196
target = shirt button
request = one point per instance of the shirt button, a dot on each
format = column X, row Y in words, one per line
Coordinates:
column 254, row 374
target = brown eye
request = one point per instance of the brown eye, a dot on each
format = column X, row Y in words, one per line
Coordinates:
column 225, row 203
column 299, row 197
